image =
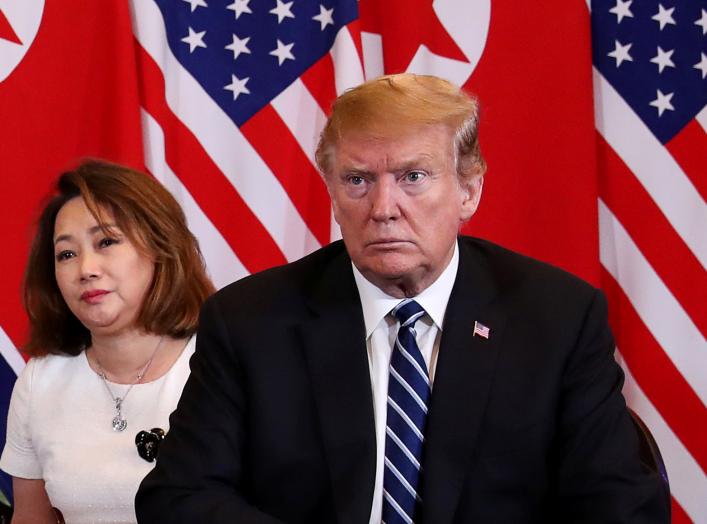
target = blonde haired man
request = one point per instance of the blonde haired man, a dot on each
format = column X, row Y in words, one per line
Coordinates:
column 406, row 374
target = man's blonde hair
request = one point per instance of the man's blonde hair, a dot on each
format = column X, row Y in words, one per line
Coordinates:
column 392, row 105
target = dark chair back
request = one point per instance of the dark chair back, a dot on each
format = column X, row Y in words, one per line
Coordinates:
column 650, row 454
column 5, row 513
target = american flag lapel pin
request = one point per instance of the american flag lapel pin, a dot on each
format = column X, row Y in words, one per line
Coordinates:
column 481, row 330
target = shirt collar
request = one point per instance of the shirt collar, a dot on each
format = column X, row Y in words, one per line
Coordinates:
column 376, row 304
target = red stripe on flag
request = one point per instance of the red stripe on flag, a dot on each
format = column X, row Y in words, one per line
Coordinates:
column 204, row 180
column 685, row 148
column 678, row 515
column 319, row 80
column 674, row 262
column 656, row 374
column 292, row 167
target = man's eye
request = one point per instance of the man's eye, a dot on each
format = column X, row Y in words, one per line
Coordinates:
column 415, row 176
column 355, row 180
column 64, row 255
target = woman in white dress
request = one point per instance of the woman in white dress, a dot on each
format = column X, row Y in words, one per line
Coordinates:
column 113, row 288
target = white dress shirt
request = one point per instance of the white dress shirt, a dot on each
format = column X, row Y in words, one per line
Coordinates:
column 381, row 330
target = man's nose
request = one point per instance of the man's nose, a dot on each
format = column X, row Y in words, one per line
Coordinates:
column 384, row 200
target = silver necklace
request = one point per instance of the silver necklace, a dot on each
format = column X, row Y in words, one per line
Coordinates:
column 119, row 422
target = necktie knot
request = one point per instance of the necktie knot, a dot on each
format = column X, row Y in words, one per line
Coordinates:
column 407, row 312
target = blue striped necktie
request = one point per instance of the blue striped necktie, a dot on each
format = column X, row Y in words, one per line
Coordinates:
column 408, row 397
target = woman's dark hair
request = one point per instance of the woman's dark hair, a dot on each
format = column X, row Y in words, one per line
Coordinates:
column 153, row 220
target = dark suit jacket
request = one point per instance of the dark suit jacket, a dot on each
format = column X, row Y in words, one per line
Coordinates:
column 276, row 421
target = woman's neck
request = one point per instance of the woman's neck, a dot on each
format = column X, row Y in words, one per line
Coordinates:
column 122, row 357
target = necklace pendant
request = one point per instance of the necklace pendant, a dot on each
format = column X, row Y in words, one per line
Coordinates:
column 119, row 423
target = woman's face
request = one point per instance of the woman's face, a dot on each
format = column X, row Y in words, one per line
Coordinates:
column 103, row 278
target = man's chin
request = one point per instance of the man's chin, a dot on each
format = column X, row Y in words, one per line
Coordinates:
column 389, row 269
column 396, row 280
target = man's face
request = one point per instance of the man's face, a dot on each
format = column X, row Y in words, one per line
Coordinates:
column 400, row 205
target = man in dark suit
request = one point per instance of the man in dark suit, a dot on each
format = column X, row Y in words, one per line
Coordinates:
column 320, row 392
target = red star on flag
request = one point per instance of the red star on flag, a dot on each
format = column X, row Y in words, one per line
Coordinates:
column 404, row 26
column 6, row 31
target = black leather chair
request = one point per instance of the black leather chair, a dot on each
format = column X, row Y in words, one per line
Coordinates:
column 650, row 454
column 5, row 513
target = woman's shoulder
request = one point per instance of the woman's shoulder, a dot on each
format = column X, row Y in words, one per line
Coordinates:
column 43, row 380
column 53, row 363
column 52, row 369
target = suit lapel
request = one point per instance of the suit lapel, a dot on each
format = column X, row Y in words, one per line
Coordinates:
column 333, row 342
column 463, row 377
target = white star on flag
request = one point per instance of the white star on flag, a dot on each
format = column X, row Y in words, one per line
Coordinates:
column 702, row 65
column 325, row 16
column 239, row 7
column 702, row 22
column 620, row 53
column 194, row 39
column 662, row 102
column 622, row 9
column 239, row 46
column 196, row 3
column 282, row 10
column 663, row 59
column 237, row 86
column 283, row 52
column 664, row 16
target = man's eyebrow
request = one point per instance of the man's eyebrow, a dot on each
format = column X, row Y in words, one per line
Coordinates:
column 354, row 170
column 407, row 163
column 421, row 160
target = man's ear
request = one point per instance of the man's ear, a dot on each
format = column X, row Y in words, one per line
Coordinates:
column 471, row 195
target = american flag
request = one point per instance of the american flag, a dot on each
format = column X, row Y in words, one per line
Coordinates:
column 593, row 125
column 481, row 330
column 650, row 84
